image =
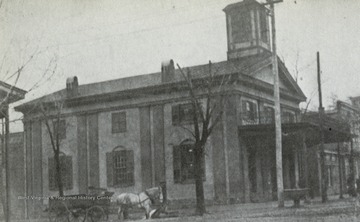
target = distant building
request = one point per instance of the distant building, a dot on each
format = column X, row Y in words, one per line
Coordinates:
column 17, row 173
column 127, row 134
column 340, row 150
column 10, row 157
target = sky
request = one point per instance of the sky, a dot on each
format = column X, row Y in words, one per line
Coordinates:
column 98, row 40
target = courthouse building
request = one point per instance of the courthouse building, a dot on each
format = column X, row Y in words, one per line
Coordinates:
column 127, row 134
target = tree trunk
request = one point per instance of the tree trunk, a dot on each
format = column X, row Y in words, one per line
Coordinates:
column 58, row 173
column 200, row 199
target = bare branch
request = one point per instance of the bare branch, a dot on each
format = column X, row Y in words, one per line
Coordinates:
column 6, row 98
column 187, row 129
column 222, row 102
column 22, row 66
column 50, row 132
column 193, row 97
column 37, row 84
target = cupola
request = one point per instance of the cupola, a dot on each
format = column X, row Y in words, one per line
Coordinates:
column 247, row 25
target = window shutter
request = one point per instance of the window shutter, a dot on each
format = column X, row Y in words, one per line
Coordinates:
column 62, row 133
column 68, row 177
column 122, row 122
column 118, row 122
column 109, row 169
column 114, row 123
column 177, row 163
column 59, row 128
column 253, row 111
column 175, row 114
column 243, row 104
column 51, row 167
column 63, row 171
column 130, row 167
column 244, row 113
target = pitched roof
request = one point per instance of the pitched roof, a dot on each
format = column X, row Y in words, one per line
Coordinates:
column 12, row 92
column 246, row 66
column 335, row 129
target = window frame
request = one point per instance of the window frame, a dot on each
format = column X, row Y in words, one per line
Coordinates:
column 125, row 169
column 267, row 118
column 184, row 165
column 180, row 117
column 248, row 117
column 62, row 130
column 264, row 32
column 118, row 122
column 288, row 116
column 242, row 19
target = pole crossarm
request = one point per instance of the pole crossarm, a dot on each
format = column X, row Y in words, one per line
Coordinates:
column 268, row 2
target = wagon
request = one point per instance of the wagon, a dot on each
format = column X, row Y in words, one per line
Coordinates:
column 80, row 208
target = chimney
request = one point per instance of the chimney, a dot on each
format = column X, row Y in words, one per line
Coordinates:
column 72, row 86
column 167, row 71
column 247, row 25
column 355, row 101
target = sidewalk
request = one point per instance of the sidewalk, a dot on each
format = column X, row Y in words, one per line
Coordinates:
column 347, row 209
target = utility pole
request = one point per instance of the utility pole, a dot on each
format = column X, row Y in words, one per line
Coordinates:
column 2, row 169
column 7, row 168
column 322, row 149
column 278, row 139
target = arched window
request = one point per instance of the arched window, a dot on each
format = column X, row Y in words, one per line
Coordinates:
column 184, row 162
column 120, row 167
column 65, row 170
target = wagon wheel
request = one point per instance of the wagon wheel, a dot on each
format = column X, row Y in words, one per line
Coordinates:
column 62, row 216
column 58, row 214
column 77, row 215
column 95, row 214
column 52, row 214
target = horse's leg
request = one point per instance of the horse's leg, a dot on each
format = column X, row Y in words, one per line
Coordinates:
column 119, row 212
column 147, row 210
column 146, row 214
column 126, row 213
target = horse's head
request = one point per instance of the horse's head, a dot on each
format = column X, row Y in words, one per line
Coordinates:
column 155, row 193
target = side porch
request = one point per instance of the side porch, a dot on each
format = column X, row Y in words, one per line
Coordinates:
column 301, row 144
column 258, row 145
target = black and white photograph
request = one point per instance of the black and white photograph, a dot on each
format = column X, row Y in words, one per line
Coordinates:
column 191, row 110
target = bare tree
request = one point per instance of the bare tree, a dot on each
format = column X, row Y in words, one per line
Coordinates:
column 207, row 99
column 14, row 76
column 333, row 101
column 51, row 113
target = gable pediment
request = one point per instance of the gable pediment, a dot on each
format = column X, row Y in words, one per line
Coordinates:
column 286, row 81
column 266, row 75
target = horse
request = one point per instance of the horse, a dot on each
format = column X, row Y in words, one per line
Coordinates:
column 142, row 200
